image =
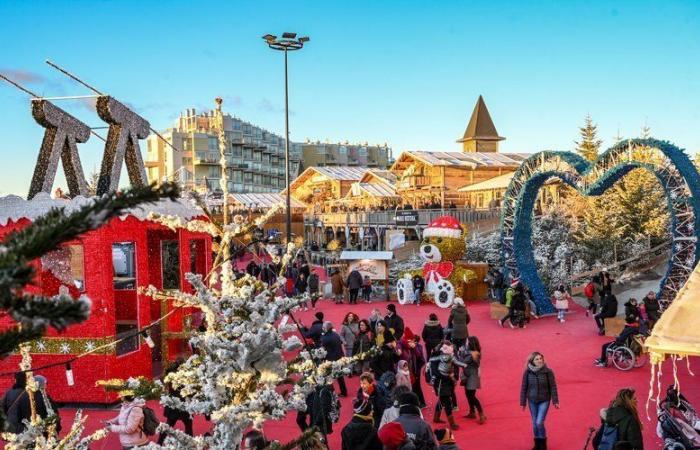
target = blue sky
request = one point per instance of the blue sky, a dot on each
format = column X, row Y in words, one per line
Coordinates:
column 403, row 72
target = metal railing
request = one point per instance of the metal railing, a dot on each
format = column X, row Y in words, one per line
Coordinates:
column 425, row 216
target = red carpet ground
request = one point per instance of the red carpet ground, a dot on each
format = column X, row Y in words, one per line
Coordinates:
column 569, row 349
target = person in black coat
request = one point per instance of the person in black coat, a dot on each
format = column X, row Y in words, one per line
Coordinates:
column 538, row 390
column 433, row 334
column 359, row 433
column 253, row 269
column 418, row 287
column 631, row 329
column 394, row 322
column 653, row 309
column 333, row 345
column 319, row 406
column 623, row 415
column 608, row 308
column 315, row 331
column 172, row 415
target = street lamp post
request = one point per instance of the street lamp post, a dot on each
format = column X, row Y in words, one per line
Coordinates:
column 288, row 42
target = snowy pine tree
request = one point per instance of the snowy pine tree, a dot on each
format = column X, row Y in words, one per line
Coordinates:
column 589, row 145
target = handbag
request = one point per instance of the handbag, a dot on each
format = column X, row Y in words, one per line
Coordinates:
column 561, row 304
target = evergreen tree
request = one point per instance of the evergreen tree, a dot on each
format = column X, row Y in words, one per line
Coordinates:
column 589, row 145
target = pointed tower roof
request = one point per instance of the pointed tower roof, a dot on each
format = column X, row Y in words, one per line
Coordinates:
column 480, row 125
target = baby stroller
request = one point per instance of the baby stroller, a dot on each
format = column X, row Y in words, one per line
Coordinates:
column 679, row 424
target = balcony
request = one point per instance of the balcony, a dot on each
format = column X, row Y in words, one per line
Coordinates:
column 413, row 182
column 207, row 158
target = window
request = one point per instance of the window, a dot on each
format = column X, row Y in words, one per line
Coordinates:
column 66, row 265
column 127, row 345
column 257, row 178
column 257, row 155
column 187, row 162
column 213, row 143
column 247, row 153
column 170, row 262
column 197, row 256
column 214, row 172
column 237, row 176
column 237, row 151
column 247, row 177
column 124, row 265
column 200, row 156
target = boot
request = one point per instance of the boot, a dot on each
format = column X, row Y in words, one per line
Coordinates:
column 537, row 444
column 543, row 443
column 471, row 415
column 482, row 418
column 453, row 425
column 436, row 416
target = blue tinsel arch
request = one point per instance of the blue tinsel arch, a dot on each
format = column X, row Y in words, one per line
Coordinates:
column 674, row 170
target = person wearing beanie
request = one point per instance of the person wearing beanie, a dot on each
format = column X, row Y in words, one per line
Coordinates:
column 315, row 331
column 393, row 437
column 446, row 440
column 392, row 413
column 393, row 321
column 417, row 429
column 359, row 433
column 412, row 353
column 433, row 334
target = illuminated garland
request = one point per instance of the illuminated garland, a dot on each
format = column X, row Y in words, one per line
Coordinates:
column 72, row 346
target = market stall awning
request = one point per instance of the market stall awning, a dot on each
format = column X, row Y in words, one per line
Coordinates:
column 263, row 200
column 499, row 182
column 678, row 330
column 373, row 190
column 379, row 256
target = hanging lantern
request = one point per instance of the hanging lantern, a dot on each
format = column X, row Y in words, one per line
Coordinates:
column 148, row 339
column 69, row 375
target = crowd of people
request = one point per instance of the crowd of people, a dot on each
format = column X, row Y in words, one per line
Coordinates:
column 389, row 407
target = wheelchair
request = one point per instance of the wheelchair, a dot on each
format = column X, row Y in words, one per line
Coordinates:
column 628, row 355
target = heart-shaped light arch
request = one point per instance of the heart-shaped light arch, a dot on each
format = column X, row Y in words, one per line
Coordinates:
column 671, row 166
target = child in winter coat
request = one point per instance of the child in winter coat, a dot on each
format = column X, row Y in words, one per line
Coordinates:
column 444, row 382
column 561, row 302
column 129, row 423
column 446, row 439
column 403, row 374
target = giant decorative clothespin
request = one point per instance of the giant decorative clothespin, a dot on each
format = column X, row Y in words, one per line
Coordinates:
column 62, row 134
column 125, row 129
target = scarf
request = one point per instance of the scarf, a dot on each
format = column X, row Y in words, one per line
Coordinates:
column 534, row 368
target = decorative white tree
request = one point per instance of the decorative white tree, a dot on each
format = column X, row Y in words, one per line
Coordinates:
column 243, row 372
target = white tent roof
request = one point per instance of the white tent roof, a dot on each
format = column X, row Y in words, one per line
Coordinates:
column 380, row 256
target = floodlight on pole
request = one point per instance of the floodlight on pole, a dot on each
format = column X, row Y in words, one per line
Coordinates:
column 287, row 43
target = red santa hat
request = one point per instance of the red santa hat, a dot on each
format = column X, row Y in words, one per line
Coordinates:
column 445, row 226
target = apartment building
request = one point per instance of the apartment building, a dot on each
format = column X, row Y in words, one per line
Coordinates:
column 319, row 154
column 255, row 159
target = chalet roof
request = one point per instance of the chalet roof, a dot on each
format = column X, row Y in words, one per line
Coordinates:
column 480, row 125
column 13, row 208
column 263, row 200
column 341, row 173
column 499, row 182
column 472, row 160
column 385, row 176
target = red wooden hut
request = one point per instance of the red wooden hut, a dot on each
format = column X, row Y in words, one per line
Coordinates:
column 108, row 265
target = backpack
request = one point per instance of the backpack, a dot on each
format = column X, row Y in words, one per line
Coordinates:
column 589, row 290
column 608, row 437
column 150, row 421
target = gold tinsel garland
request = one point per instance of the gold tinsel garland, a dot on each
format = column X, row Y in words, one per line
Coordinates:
column 72, row 346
